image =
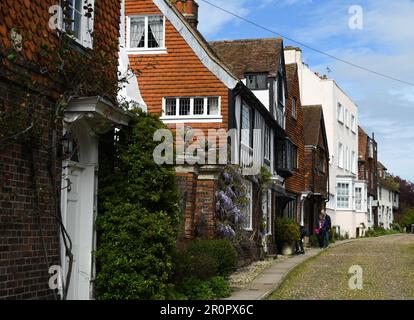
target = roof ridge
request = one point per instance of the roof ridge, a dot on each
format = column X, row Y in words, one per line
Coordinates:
column 247, row 40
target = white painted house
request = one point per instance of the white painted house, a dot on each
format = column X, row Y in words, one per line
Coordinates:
column 347, row 204
column 388, row 198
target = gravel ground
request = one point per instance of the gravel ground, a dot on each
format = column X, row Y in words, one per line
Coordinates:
column 387, row 264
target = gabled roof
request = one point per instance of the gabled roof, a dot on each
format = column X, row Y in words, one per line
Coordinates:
column 197, row 42
column 313, row 123
column 250, row 55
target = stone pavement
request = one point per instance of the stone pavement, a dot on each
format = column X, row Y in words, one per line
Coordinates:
column 272, row 277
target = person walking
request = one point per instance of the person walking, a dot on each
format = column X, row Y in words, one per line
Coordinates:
column 326, row 230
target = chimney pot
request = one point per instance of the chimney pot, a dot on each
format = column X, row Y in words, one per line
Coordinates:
column 189, row 9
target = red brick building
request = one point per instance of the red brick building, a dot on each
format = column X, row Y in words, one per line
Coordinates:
column 316, row 165
column 36, row 204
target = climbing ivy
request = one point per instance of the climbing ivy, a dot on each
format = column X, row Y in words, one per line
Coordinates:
column 138, row 218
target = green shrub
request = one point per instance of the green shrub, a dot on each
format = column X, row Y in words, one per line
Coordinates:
column 286, row 231
column 220, row 287
column 197, row 289
column 313, row 241
column 138, row 218
column 222, row 251
column 396, row 227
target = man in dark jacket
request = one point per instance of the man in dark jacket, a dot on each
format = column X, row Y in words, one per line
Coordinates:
column 326, row 230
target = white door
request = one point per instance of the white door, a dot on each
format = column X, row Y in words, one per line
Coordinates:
column 78, row 193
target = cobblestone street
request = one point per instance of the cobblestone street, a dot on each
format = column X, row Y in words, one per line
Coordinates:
column 387, row 264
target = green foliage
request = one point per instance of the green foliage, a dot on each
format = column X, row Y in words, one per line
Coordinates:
column 396, row 227
column 220, row 287
column 137, row 219
column 221, row 251
column 201, row 269
column 313, row 241
column 197, row 289
column 408, row 217
column 379, row 231
column 287, row 231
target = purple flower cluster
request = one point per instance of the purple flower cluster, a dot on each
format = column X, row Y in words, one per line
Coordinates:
column 226, row 230
column 228, row 211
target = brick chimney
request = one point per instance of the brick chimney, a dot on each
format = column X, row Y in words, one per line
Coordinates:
column 189, row 9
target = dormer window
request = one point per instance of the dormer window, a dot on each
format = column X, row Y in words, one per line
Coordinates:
column 146, row 33
column 256, row 81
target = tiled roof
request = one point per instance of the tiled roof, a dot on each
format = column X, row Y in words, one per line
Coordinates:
column 362, row 143
column 312, row 116
column 291, row 70
column 250, row 55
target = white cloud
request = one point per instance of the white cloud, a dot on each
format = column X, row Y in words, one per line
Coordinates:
column 405, row 95
column 212, row 20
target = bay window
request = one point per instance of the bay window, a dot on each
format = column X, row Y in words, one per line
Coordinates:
column 343, row 196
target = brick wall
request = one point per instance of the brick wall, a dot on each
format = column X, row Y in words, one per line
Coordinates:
column 198, row 197
column 29, row 231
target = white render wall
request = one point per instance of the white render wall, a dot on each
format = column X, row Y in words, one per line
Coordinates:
column 326, row 92
column 385, row 207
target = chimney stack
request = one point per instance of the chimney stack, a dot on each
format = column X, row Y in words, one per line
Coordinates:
column 189, row 9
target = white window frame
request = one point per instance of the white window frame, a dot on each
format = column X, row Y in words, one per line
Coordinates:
column 359, row 198
column 353, row 123
column 338, row 196
column 249, row 207
column 353, row 162
column 145, row 50
column 340, row 112
column 202, row 118
column 86, row 26
column 347, row 118
column 340, row 155
column 347, row 167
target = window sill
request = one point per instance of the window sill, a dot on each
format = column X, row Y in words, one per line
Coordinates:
column 146, row 51
column 192, row 119
column 74, row 43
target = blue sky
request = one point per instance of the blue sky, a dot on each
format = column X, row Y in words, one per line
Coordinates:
column 385, row 44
